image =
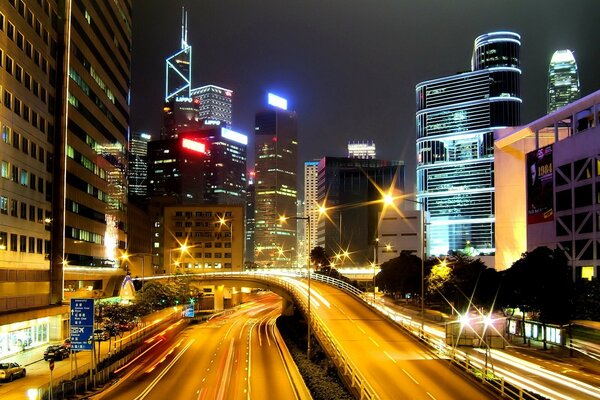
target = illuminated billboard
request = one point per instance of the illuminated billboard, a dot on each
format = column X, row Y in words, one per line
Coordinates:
column 193, row 145
column 540, row 196
column 277, row 101
column 235, row 136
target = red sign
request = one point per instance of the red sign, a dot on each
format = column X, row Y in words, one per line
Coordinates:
column 198, row 147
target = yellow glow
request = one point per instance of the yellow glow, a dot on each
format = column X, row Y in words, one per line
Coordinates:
column 587, row 272
column 388, row 199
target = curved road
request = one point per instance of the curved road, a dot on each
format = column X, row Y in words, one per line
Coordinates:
column 234, row 356
column 395, row 364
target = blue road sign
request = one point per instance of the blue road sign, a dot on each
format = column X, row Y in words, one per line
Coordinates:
column 188, row 311
column 82, row 323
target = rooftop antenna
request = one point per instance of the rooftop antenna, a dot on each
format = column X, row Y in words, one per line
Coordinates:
column 184, row 24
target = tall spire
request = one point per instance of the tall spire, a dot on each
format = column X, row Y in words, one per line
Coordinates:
column 184, row 25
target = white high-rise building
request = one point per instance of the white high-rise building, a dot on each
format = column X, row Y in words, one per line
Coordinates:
column 311, row 205
column 563, row 80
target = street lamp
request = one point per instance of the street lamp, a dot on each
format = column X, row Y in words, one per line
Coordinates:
column 307, row 219
column 182, row 249
column 127, row 256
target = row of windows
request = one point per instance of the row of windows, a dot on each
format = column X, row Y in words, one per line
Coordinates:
column 22, row 176
column 27, row 13
column 24, row 111
column 83, row 235
column 199, row 224
column 12, row 207
column 216, row 235
column 216, row 265
column 190, row 214
column 23, row 244
column 210, row 255
column 9, row 136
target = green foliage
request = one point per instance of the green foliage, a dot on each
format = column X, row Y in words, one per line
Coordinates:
column 401, row 275
column 318, row 256
column 540, row 281
column 587, row 300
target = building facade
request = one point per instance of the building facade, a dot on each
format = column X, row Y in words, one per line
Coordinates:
column 311, row 204
column 352, row 191
column 563, row 80
column 455, row 119
column 276, row 149
column 137, row 177
column 399, row 230
column 203, row 238
column 215, row 104
column 250, row 218
column 178, row 67
column 547, row 190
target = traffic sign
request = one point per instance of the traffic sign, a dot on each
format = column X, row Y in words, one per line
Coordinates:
column 188, row 311
column 82, row 323
column 51, row 365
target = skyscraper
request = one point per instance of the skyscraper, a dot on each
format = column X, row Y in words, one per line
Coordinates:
column 138, row 166
column 179, row 66
column 311, row 202
column 563, row 80
column 361, row 149
column 214, row 104
column 276, row 147
column 250, row 219
column 64, row 126
column 455, row 119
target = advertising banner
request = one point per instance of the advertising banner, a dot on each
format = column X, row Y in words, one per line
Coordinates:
column 540, row 181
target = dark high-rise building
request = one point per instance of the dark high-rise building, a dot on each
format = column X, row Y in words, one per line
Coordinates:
column 563, row 80
column 180, row 115
column 138, row 167
column 455, row 119
column 204, row 166
column 214, row 104
column 64, row 126
column 276, row 145
column 351, row 188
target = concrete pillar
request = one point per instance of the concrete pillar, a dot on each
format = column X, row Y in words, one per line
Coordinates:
column 219, row 296
column 287, row 307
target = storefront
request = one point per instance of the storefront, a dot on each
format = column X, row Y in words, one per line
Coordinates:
column 22, row 335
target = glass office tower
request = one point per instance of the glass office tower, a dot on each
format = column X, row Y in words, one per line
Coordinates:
column 563, row 80
column 455, row 119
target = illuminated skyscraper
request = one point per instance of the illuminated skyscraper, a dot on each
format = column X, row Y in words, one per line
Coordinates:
column 276, row 147
column 311, row 202
column 214, row 104
column 563, row 80
column 364, row 149
column 179, row 66
column 455, row 119
column 138, row 166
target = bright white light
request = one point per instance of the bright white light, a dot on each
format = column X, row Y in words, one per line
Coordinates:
column 277, row 101
column 235, row 136
column 464, row 319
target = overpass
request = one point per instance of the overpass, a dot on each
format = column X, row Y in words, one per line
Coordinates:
column 367, row 341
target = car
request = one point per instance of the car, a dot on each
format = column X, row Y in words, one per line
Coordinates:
column 101, row 335
column 56, row 352
column 126, row 326
column 10, row 370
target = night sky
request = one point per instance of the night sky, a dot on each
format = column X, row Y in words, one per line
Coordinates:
column 349, row 67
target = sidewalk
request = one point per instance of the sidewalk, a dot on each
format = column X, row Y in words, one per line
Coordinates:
column 28, row 356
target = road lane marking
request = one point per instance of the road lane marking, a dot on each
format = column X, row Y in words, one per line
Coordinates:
column 360, row 329
column 410, row 376
column 390, row 357
column 374, row 342
column 430, row 395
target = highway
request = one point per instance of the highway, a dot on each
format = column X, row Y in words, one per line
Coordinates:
column 233, row 356
column 395, row 364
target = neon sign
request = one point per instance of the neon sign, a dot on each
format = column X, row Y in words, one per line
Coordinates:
column 277, row 101
column 180, row 99
column 235, row 136
column 193, row 145
column 212, row 122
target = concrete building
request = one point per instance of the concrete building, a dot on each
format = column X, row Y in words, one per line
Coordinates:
column 203, row 238
column 399, row 230
column 276, row 149
column 311, row 203
column 137, row 176
column 455, row 119
column 547, row 189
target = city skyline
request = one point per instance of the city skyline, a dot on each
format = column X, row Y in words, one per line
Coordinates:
column 361, row 78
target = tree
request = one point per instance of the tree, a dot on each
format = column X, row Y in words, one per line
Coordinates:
column 401, row 275
column 319, row 256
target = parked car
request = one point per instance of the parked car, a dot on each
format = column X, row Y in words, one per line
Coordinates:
column 127, row 326
column 101, row 335
column 56, row 352
column 10, row 370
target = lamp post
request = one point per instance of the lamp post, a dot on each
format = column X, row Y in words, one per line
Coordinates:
column 127, row 256
column 184, row 247
column 307, row 219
